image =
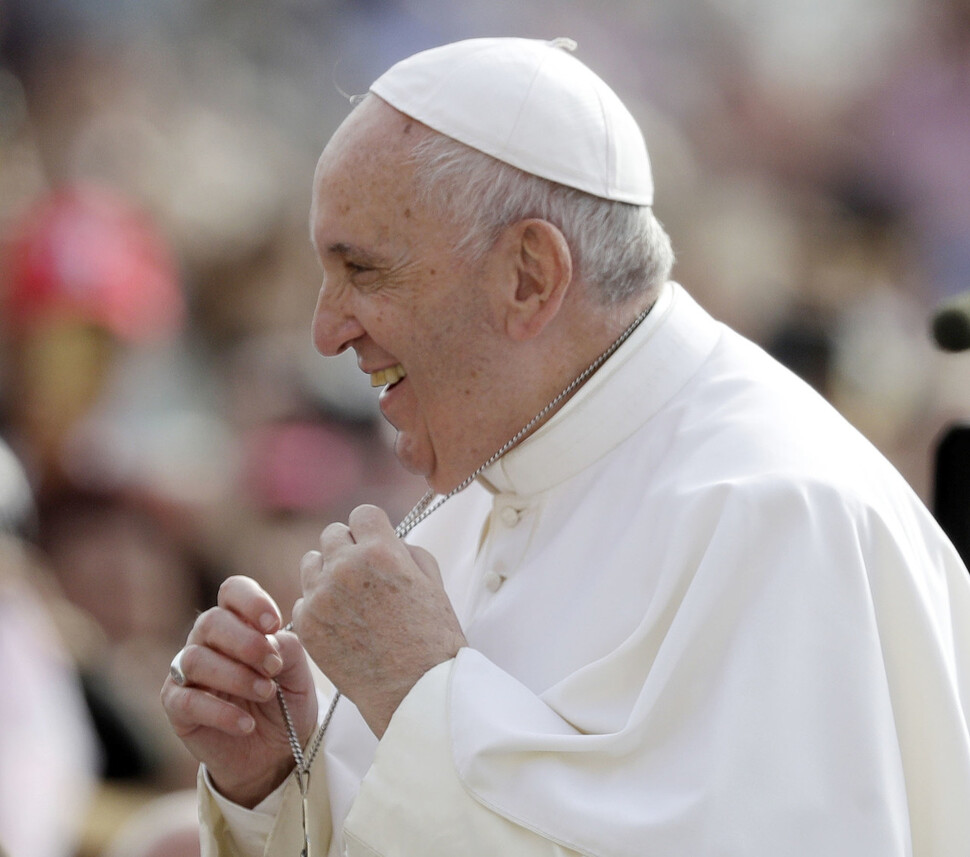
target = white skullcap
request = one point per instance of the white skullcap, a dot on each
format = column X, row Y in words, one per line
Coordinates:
column 530, row 104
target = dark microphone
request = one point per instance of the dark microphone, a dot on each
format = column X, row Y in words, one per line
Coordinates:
column 951, row 323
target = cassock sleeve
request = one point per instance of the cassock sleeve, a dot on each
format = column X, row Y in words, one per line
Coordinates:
column 274, row 827
column 412, row 801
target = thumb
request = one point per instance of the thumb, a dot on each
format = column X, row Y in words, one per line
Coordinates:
column 295, row 675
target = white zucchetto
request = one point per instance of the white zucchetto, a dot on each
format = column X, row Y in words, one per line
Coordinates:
column 528, row 103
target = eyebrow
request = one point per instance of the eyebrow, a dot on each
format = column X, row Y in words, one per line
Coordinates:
column 345, row 250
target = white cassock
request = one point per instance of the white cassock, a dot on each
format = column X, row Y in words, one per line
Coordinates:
column 705, row 617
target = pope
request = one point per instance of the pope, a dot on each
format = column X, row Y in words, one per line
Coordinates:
column 660, row 598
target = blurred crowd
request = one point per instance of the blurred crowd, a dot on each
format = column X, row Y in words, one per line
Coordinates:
column 164, row 420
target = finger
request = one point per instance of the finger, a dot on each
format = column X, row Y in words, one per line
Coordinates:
column 191, row 708
column 248, row 600
column 334, row 537
column 301, row 616
column 211, row 670
column 425, row 561
column 296, row 616
column 228, row 634
column 293, row 676
column 310, row 566
column 370, row 522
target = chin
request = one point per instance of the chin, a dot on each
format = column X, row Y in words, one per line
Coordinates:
column 416, row 458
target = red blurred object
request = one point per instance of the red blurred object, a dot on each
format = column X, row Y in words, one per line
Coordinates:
column 301, row 466
column 85, row 253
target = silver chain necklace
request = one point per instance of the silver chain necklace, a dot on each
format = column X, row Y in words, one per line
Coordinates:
column 424, row 507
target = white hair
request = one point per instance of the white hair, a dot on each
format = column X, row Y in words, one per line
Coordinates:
column 621, row 250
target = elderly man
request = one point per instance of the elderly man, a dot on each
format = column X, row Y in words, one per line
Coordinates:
column 660, row 599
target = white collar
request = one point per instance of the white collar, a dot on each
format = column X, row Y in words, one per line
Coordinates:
column 645, row 372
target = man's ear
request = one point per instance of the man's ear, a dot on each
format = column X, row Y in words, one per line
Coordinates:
column 543, row 271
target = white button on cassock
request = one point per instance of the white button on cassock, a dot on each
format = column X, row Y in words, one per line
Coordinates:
column 510, row 516
column 493, row 581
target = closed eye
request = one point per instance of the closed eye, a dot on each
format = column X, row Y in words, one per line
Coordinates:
column 361, row 275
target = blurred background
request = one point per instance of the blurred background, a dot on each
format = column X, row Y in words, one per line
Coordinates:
column 165, row 419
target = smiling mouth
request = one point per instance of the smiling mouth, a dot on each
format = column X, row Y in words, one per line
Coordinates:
column 389, row 376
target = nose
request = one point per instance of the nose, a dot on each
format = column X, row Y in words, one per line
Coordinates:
column 335, row 326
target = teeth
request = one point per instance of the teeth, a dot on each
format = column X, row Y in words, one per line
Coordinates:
column 388, row 376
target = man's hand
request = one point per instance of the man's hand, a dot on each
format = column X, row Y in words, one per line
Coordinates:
column 227, row 713
column 374, row 614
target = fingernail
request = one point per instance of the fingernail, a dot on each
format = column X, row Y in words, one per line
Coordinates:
column 268, row 622
column 264, row 688
column 272, row 664
column 246, row 724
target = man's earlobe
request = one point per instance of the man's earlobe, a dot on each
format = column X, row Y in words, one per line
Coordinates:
column 544, row 272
